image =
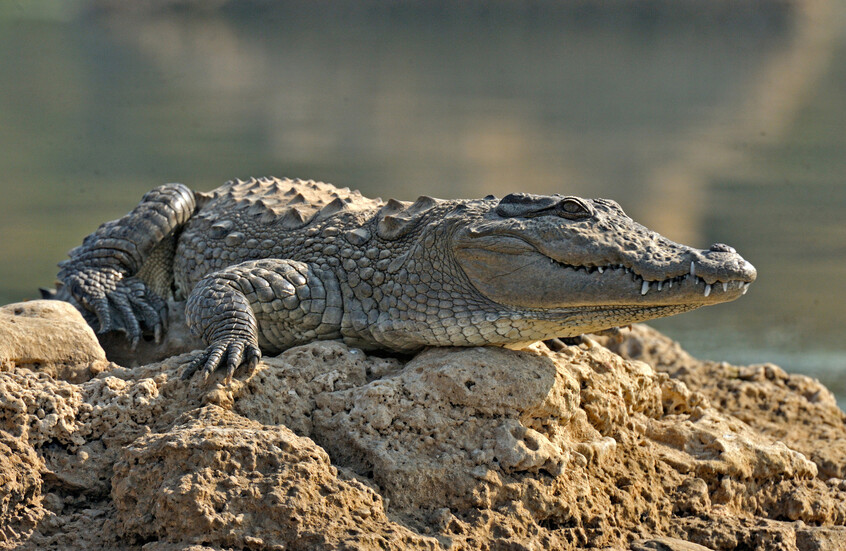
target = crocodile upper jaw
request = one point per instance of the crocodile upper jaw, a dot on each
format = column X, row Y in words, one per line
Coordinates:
column 515, row 273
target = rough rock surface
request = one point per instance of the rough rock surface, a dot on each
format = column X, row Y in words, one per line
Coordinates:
column 218, row 478
column 325, row 447
column 49, row 336
column 795, row 409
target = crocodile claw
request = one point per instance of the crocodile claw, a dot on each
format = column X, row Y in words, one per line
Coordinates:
column 230, row 353
column 120, row 304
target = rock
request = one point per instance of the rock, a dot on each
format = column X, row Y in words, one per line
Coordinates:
column 667, row 544
column 49, row 336
column 286, row 392
column 216, row 476
column 794, row 409
column 444, row 431
column 325, row 447
column 821, row 538
column 20, row 487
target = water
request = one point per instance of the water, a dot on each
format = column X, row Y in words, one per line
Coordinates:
column 708, row 123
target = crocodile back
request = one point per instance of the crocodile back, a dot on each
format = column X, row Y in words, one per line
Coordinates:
column 260, row 218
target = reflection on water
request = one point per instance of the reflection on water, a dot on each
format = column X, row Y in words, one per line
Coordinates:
column 707, row 122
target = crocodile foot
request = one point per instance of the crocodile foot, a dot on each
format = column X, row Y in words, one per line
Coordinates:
column 118, row 303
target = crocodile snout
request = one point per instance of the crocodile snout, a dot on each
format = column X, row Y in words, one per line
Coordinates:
column 722, row 263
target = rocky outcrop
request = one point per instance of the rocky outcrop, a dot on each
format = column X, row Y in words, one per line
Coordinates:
column 215, row 473
column 793, row 408
column 325, row 447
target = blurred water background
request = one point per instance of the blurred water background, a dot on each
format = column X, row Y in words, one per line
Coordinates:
column 708, row 121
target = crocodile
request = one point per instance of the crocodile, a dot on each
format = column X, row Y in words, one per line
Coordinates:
column 266, row 264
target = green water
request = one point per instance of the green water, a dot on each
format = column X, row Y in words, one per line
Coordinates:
column 707, row 123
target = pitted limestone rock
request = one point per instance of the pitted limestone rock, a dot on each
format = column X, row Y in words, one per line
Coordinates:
column 793, row 408
column 461, row 428
column 450, row 424
column 252, row 485
column 20, row 486
column 461, row 449
column 39, row 409
column 285, row 393
column 714, row 443
column 271, row 263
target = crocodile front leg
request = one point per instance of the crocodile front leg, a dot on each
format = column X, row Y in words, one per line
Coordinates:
column 270, row 304
column 99, row 275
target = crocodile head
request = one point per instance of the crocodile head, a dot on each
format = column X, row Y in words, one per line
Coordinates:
column 533, row 252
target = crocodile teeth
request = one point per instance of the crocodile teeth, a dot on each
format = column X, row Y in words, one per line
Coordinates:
column 707, row 290
column 671, row 284
column 600, row 269
column 660, row 285
column 692, row 268
column 745, row 287
column 725, row 286
column 644, row 288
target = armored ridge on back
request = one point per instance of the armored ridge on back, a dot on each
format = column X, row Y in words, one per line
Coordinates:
column 266, row 264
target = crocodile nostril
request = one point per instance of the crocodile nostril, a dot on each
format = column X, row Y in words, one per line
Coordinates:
column 721, row 248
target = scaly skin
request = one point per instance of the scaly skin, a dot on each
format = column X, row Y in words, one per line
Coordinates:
column 268, row 264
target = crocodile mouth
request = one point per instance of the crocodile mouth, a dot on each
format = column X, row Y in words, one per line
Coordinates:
column 514, row 272
column 658, row 285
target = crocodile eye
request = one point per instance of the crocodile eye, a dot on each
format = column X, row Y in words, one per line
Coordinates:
column 529, row 206
column 573, row 207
